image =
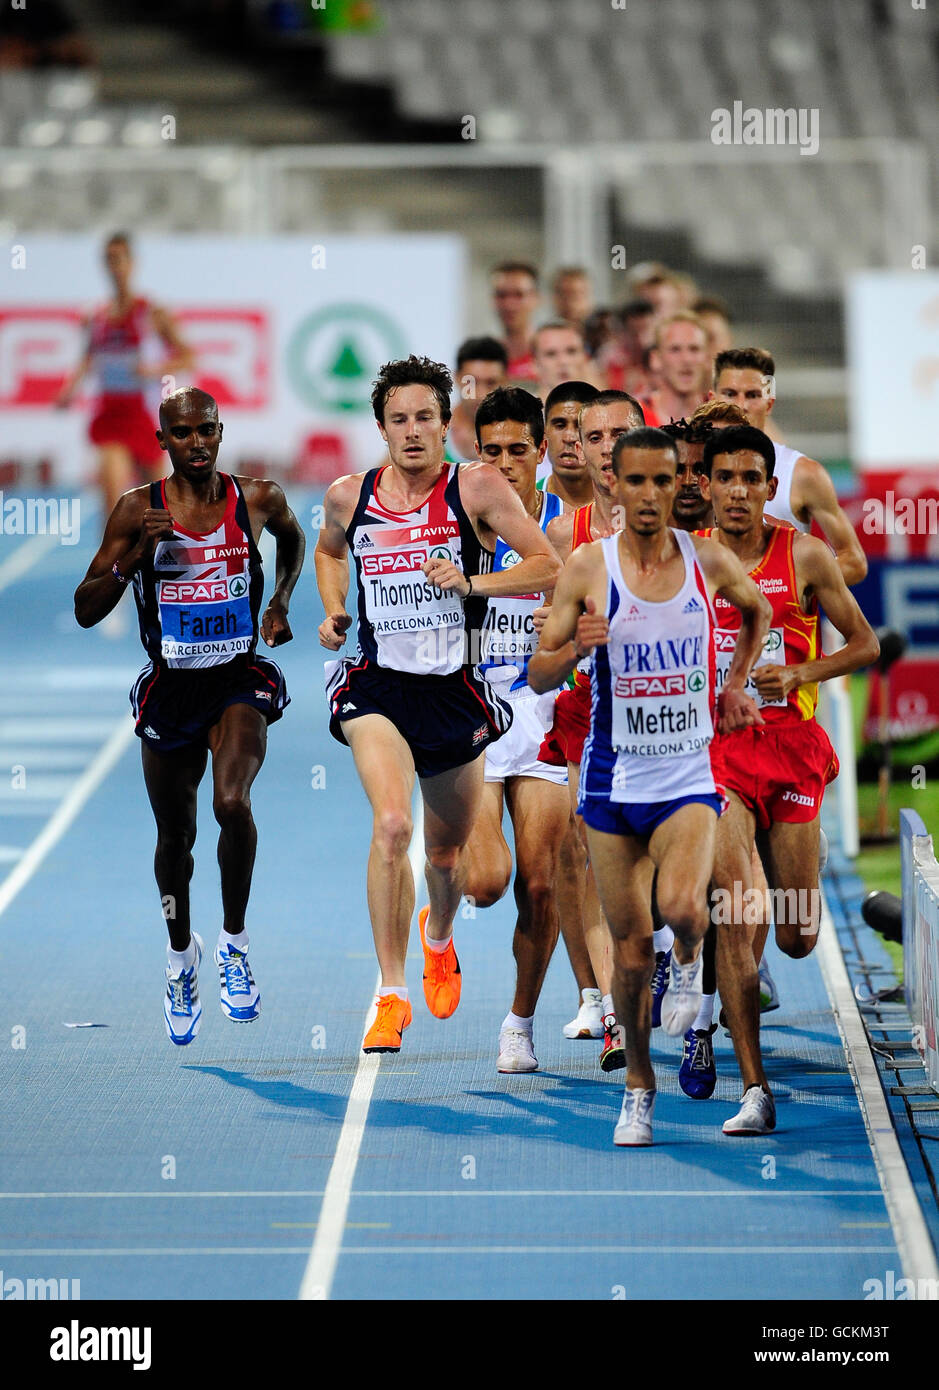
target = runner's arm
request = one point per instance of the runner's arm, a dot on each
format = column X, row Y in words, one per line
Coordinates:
column 817, row 569
column 131, row 532
column 331, row 559
column 489, row 498
column 815, row 493
column 291, row 547
column 74, row 378
column 572, row 628
column 181, row 356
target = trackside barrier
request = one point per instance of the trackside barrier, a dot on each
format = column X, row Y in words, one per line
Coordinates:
column 920, row 878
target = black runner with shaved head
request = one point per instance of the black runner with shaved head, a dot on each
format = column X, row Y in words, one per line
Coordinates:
column 189, row 546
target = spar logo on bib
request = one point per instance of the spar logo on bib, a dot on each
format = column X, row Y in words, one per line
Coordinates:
column 696, row 681
column 510, row 558
column 395, row 561
column 773, row 642
column 442, row 552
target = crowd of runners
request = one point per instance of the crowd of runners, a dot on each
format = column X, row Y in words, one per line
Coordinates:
column 580, row 588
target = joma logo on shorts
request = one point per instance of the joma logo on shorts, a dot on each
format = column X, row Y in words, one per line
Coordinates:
column 394, row 563
column 798, row 798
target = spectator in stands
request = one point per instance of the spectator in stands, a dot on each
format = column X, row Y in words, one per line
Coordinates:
column 41, row 33
column 515, row 297
column 623, row 359
column 682, row 363
column 560, row 353
column 601, row 328
column 661, row 287
column 573, row 294
column 481, row 366
column 714, row 315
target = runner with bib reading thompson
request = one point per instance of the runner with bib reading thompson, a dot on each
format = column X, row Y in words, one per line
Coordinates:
column 422, row 533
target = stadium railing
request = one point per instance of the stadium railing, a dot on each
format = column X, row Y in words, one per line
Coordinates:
column 920, row 891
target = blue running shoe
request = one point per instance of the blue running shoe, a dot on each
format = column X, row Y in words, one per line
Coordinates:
column 769, row 994
column 182, row 1011
column 239, row 996
column 660, row 979
column 697, row 1075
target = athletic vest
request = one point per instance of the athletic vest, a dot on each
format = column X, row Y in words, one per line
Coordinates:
column 793, row 633
column 404, row 622
column 780, row 509
column 652, row 690
column 509, row 637
column 116, row 345
column 198, row 597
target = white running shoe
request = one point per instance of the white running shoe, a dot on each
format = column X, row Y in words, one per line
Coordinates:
column 589, row 1020
column 634, row 1127
column 182, row 1011
column 239, row 996
column 757, row 1114
column 515, row 1051
column 682, row 1000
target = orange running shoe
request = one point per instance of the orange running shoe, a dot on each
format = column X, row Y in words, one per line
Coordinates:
column 442, row 978
column 394, row 1015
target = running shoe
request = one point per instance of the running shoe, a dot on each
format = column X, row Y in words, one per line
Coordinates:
column 442, row 979
column 660, row 977
column 682, row 1000
column 589, row 1020
column 697, row 1075
column 393, row 1017
column 182, row 1011
column 239, row 996
column 769, row 994
column 613, row 1054
column 634, row 1127
column 515, row 1051
column 757, row 1114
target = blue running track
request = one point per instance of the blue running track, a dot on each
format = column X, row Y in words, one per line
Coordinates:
column 148, row 1171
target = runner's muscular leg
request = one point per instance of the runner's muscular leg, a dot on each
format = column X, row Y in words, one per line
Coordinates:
column 451, row 805
column 487, row 857
column 623, row 874
column 737, row 977
column 683, row 877
column 597, row 939
column 571, row 894
column 172, row 782
column 115, row 473
column 792, row 870
column 237, row 743
column 540, row 816
column 386, row 771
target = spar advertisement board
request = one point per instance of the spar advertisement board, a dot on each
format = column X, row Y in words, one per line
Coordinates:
column 288, row 334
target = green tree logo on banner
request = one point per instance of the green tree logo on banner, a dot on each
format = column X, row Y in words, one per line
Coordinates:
column 334, row 355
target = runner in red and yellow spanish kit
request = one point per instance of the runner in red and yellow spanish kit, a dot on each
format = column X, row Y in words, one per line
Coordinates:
column 602, row 420
column 774, row 776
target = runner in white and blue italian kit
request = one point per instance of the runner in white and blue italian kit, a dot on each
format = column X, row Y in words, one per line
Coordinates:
column 510, row 434
column 188, row 544
column 412, row 700
column 641, row 602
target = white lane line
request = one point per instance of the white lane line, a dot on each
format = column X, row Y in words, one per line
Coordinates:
column 318, row 1276
column 445, row 1250
column 122, row 733
column 47, row 730
column 906, row 1216
column 737, row 1193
